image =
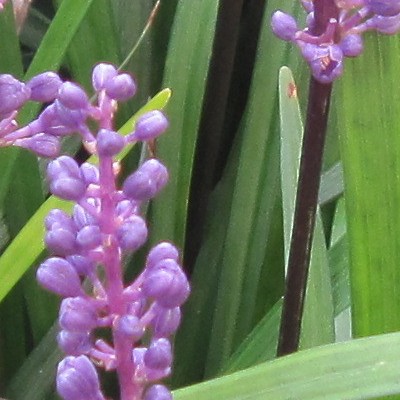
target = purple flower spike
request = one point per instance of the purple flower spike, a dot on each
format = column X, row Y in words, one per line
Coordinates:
column 106, row 222
column 77, row 379
column 150, row 125
column 338, row 31
column 109, row 143
column 77, row 315
column 158, row 392
column 44, row 87
column 66, row 180
column 158, row 355
column 13, row 94
column 72, row 96
column 147, row 181
column 167, row 284
column 102, row 73
column 42, row 144
column 74, row 343
column 122, row 87
column 60, row 277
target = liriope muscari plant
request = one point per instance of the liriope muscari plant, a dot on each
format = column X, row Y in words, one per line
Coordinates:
column 88, row 247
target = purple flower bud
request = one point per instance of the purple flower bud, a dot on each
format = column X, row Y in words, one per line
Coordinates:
column 77, row 379
column 89, row 237
column 167, row 284
column 385, row 8
column 150, row 125
column 125, row 208
column 42, row 144
column 308, row 5
column 166, row 321
column 82, row 265
column 283, row 25
column 44, row 87
column 50, row 122
column 74, row 343
column 158, row 392
column 132, row 234
column 158, row 355
column 161, row 252
column 147, row 181
column 109, row 143
column 65, row 177
column 102, row 73
column 385, row 25
column 82, row 218
column 90, row 173
column 70, row 118
column 58, row 217
column 61, row 241
column 129, row 326
column 59, row 276
column 77, row 315
column 352, row 45
column 13, row 94
column 72, row 96
column 121, row 87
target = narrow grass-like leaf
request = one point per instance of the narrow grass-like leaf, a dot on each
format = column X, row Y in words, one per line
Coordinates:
column 369, row 120
column 10, row 61
column 95, row 40
column 339, row 260
column 36, row 378
column 186, row 71
column 193, row 336
column 331, row 184
column 26, row 247
column 260, row 345
column 318, row 319
column 251, row 267
column 355, row 370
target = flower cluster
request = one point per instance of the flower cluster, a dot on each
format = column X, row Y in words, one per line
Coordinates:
column 88, row 246
column 325, row 52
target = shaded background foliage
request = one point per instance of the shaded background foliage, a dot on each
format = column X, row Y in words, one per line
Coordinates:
column 232, row 150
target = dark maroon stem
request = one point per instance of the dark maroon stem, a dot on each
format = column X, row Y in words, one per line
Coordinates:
column 306, row 198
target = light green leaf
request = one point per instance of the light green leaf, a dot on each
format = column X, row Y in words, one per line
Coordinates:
column 355, row 370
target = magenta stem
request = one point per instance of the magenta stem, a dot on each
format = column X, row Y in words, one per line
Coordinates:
column 129, row 389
